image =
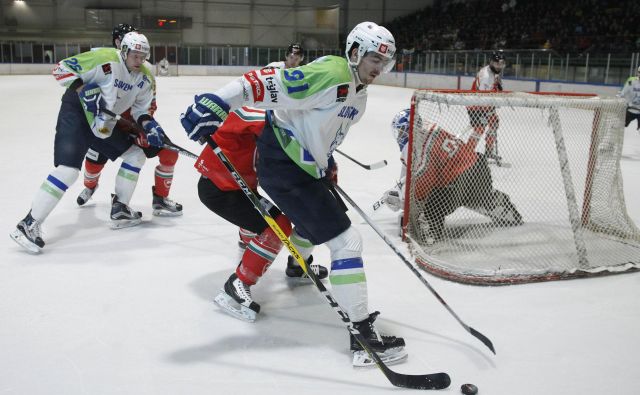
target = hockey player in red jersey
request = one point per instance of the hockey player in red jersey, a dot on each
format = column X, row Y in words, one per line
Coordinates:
column 219, row 191
column 95, row 161
column 448, row 174
column 489, row 78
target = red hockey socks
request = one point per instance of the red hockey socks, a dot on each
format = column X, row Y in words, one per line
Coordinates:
column 92, row 173
column 164, row 172
column 261, row 252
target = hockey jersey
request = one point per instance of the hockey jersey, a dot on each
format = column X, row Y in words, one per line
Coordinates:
column 311, row 107
column 237, row 139
column 442, row 157
column 487, row 80
column 121, row 90
column 631, row 93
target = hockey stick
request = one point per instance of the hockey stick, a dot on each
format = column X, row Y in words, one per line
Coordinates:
column 415, row 271
column 376, row 165
column 168, row 144
column 424, row 381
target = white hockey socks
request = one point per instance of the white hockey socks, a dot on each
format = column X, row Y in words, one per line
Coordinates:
column 347, row 278
column 304, row 246
column 52, row 190
column 127, row 179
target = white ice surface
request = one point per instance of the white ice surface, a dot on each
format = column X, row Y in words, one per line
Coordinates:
column 131, row 312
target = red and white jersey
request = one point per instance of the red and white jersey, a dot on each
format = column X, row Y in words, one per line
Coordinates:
column 443, row 157
column 487, row 80
column 237, row 139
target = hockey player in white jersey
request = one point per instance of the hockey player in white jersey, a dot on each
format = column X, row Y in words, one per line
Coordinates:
column 310, row 111
column 631, row 93
column 106, row 78
column 489, row 78
column 293, row 58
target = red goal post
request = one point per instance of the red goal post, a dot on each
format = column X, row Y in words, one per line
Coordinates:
column 559, row 171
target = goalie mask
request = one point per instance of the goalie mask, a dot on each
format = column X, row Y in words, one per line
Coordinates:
column 134, row 41
column 400, row 127
column 369, row 37
column 496, row 61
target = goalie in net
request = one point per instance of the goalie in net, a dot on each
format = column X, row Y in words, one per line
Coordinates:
column 449, row 174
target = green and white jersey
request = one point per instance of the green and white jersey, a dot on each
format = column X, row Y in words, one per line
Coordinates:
column 120, row 88
column 631, row 93
column 313, row 106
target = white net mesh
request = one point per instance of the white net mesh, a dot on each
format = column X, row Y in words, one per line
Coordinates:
column 515, row 187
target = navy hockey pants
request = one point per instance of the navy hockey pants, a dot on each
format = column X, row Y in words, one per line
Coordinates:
column 74, row 135
column 308, row 203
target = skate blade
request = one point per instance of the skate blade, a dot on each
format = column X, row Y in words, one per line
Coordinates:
column 392, row 356
column 233, row 308
column 165, row 213
column 25, row 243
column 125, row 223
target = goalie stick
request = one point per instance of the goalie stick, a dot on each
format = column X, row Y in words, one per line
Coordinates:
column 485, row 340
column 376, row 165
column 421, row 381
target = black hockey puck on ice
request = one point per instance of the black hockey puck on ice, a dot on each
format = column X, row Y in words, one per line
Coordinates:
column 469, row 389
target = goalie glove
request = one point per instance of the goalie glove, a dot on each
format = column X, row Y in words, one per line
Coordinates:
column 204, row 116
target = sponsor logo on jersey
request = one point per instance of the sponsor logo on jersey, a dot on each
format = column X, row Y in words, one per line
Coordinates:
column 268, row 71
column 140, row 84
column 383, row 48
column 343, row 92
column 272, row 88
column 256, row 86
column 106, row 68
column 348, row 112
column 122, row 85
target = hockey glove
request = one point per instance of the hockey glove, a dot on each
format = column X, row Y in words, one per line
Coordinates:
column 204, row 116
column 155, row 134
column 91, row 99
column 331, row 174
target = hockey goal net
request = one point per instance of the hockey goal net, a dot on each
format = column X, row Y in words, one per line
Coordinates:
column 507, row 188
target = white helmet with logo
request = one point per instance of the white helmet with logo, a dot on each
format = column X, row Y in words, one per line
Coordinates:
column 370, row 37
column 134, row 41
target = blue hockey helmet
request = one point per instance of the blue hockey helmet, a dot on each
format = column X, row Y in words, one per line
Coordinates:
column 400, row 127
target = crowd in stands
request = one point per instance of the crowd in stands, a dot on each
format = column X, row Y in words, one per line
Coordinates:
column 606, row 26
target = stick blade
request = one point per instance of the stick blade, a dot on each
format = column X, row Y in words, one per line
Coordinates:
column 378, row 165
column 433, row 381
column 483, row 339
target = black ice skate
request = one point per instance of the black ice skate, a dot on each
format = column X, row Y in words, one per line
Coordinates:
column 85, row 196
column 165, row 207
column 122, row 216
column 28, row 234
column 295, row 271
column 389, row 348
column 235, row 299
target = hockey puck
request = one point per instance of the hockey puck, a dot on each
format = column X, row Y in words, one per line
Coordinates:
column 469, row 389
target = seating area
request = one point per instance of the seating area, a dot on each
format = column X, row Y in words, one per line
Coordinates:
column 595, row 26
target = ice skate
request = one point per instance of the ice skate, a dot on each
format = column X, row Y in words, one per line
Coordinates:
column 296, row 273
column 390, row 349
column 85, row 195
column 165, row 207
column 235, row 299
column 122, row 216
column 28, row 234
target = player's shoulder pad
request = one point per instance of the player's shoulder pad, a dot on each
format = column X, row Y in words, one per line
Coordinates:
column 321, row 74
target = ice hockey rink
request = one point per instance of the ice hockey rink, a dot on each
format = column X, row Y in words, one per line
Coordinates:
column 130, row 311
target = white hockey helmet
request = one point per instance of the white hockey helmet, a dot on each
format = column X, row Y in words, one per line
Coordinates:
column 134, row 41
column 370, row 37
